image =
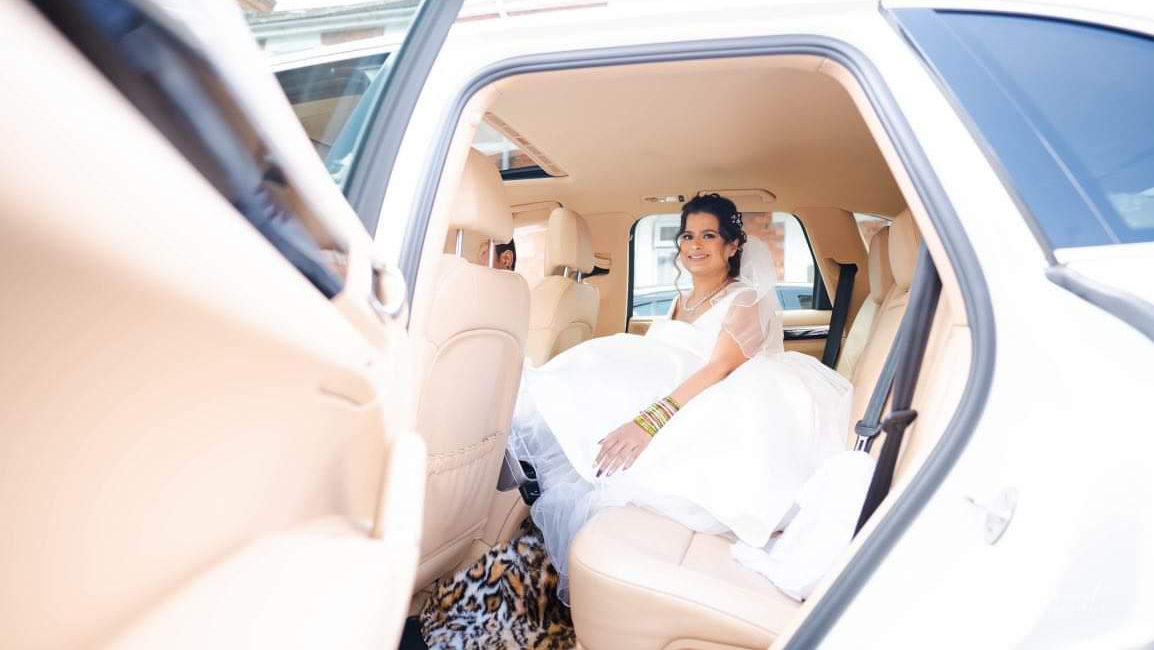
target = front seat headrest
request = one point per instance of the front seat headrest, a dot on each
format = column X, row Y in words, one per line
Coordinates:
column 570, row 243
column 481, row 205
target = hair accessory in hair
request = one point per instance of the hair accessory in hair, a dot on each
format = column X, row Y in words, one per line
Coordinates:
column 737, row 220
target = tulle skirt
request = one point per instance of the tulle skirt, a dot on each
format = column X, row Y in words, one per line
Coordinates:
column 732, row 460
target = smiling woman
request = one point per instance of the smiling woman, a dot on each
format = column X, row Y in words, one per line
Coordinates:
column 658, row 279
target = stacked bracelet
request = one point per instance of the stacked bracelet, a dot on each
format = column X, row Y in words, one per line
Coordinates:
column 657, row 415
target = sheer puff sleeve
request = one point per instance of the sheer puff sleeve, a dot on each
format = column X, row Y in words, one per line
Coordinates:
column 754, row 317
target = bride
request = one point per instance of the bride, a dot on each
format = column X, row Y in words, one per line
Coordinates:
column 706, row 419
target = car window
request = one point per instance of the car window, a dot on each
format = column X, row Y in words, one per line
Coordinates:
column 1065, row 110
column 330, row 57
column 656, row 277
column 333, row 58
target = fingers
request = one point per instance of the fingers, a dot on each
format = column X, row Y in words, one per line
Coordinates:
column 608, row 444
column 623, row 456
column 619, row 450
column 617, row 460
column 629, row 461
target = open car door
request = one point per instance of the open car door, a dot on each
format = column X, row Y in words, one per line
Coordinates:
column 202, row 436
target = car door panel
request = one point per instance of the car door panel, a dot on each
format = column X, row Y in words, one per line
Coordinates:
column 805, row 330
column 187, row 419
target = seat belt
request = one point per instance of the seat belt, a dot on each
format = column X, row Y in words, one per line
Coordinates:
column 900, row 373
column 841, row 302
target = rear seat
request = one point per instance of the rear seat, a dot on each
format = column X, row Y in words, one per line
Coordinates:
column 639, row 581
column 881, row 280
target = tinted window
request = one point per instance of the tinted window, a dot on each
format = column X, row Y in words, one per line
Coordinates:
column 1067, row 110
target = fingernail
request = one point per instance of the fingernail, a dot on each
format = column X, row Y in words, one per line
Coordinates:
column 598, row 473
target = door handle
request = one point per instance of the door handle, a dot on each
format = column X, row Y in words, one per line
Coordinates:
column 389, row 296
column 999, row 511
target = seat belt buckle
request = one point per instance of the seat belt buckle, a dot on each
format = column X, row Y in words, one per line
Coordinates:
column 865, row 434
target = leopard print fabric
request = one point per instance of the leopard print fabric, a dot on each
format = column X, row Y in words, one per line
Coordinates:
column 507, row 600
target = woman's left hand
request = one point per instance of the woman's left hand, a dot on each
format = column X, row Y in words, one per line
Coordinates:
column 620, row 448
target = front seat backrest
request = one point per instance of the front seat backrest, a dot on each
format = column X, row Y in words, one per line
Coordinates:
column 564, row 308
column 469, row 350
column 880, row 279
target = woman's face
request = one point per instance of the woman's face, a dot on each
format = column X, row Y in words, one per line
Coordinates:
column 704, row 253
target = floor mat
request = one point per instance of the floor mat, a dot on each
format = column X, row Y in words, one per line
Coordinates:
column 506, row 600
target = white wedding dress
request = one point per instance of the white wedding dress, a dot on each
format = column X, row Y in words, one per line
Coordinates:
column 732, row 459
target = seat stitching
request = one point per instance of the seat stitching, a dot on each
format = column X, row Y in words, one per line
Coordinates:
column 685, row 551
column 672, row 596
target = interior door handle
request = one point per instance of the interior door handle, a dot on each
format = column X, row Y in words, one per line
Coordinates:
column 389, row 296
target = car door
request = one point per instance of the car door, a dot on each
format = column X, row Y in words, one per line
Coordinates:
column 201, row 443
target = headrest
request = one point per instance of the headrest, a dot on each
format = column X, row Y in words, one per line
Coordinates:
column 570, row 243
column 481, row 205
column 903, row 243
column 881, row 278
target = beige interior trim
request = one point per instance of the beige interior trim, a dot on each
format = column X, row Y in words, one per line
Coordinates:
column 325, row 576
column 835, row 238
column 179, row 402
column 790, row 144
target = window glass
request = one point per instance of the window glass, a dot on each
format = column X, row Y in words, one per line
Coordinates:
column 1066, row 109
column 332, row 58
column 324, row 96
column 501, row 150
column 869, row 225
column 656, row 277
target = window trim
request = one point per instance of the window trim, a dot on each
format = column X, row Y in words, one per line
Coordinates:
column 959, row 252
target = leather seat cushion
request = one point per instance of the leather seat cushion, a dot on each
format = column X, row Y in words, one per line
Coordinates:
column 639, row 580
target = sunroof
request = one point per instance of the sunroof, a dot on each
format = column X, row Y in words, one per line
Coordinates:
column 508, row 155
column 502, row 151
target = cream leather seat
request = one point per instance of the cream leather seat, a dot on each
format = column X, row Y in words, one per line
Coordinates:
column 564, row 309
column 881, row 278
column 470, row 350
column 639, row 581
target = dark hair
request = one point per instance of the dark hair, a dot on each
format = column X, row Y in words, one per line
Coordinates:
column 729, row 224
column 511, row 247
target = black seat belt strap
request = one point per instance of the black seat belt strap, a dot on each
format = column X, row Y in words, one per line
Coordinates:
column 869, row 426
column 837, row 319
column 910, row 347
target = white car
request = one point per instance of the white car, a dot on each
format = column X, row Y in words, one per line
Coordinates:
column 246, row 406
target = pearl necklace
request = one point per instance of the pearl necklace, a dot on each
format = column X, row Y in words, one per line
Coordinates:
column 690, row 310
